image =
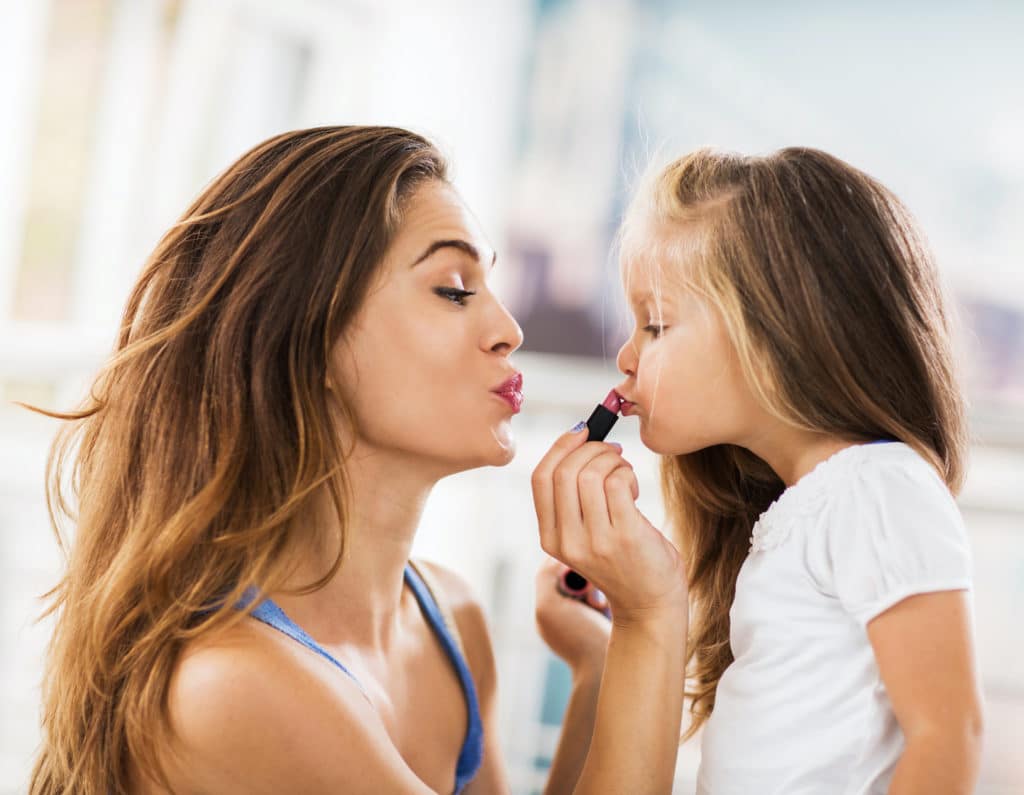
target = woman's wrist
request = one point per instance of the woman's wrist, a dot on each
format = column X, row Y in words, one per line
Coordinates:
column 587, row 675
column 666, row 616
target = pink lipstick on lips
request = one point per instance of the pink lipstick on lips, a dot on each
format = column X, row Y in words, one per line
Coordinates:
column 512, row 392
column 603, row 417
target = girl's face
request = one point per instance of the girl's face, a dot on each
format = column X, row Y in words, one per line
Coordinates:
column 425, row 364
column 682, row 371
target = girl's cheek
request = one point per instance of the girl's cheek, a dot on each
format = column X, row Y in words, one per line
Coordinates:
column 647, row 370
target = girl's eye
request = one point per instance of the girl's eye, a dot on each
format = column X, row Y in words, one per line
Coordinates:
column 654, row 331
column 454, row 294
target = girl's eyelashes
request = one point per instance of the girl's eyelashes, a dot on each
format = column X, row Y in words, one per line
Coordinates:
column 654, row 330
column 454, row 294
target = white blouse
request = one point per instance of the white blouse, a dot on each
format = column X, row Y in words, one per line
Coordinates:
column 802, row 710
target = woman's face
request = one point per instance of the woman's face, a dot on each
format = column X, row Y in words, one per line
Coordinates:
column 682, row 371
column 426, row 362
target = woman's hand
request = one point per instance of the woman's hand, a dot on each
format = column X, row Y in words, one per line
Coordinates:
column 585, row 497
column 576, row 631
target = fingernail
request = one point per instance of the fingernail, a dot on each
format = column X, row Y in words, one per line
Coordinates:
column 579, row 426
column 616, row 445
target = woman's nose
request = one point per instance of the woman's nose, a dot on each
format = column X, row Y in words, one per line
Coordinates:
column 506, row 336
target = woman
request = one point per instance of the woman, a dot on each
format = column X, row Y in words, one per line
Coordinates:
column 308, row 350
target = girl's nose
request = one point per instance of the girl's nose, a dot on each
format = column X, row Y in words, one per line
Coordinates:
column 626, row 359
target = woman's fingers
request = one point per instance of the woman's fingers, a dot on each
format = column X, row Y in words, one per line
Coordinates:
column 597, row 600
column 542, row 483
column 555, row 491
column 594, row 502
column 568, row 509
column 621, row 490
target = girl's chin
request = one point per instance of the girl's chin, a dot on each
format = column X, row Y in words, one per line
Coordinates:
column 659, row 444
column 653, row 441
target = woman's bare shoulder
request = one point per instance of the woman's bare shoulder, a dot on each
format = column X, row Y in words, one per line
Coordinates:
column 251, row 714
column 471, row 619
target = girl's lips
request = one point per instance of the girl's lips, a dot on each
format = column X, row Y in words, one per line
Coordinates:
column 627, row 408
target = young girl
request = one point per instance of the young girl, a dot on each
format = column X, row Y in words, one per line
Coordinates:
column 306, row 353
column 792, row 364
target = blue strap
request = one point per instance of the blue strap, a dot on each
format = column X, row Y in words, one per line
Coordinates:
column 269, row 613
column 472, row 754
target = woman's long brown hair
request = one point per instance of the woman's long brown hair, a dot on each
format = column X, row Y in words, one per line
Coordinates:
column 832, row 301
column 192, row 463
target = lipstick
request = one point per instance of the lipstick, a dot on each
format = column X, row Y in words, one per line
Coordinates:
column 576, row 586
column 603, row 417
column 601, row 420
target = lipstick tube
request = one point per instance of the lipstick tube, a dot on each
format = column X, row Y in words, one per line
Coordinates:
column 599, row 423
column 603, row 417
column 575, row 586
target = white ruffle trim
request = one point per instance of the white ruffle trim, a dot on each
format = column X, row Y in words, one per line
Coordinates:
column 806, row 498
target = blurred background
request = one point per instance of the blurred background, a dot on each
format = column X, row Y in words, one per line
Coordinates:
column 115, row 113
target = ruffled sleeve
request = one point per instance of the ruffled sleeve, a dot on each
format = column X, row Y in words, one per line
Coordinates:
column 892, row 530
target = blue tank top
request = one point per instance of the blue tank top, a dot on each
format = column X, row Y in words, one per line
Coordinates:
column 471, row 755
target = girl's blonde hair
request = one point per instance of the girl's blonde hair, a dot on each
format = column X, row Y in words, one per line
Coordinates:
column 205, row 437
column 833, row 304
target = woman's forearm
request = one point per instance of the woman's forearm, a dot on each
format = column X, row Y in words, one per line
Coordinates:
column 577, row 729
column 639, row 709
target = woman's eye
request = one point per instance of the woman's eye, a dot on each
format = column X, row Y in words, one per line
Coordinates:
column 654, row 331
column 454, row 294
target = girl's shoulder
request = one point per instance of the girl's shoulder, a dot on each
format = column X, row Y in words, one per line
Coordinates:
column 884, row 526
column 886, row 487
column 856, row 485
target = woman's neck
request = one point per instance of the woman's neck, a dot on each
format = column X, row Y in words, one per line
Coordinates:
column 360, row 604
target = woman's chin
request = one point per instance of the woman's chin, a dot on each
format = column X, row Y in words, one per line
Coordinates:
column 505, row 457
column 504, row 445
column 497, row 451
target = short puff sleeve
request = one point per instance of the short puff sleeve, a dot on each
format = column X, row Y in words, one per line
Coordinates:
column 892, row 530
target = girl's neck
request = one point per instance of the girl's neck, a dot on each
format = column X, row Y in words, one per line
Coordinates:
column 792, row 453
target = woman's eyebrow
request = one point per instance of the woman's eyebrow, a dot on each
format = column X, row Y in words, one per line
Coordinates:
column 461, row 245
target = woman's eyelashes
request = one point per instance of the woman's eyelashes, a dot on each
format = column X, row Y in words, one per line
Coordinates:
column 454, row 294
column 654, row 330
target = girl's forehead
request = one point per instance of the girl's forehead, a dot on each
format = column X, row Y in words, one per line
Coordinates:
column 653, row 275
column 659, row 257
column 640, row 276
